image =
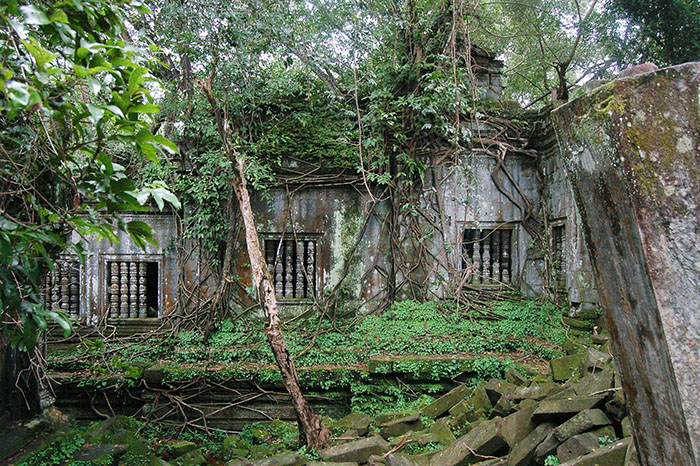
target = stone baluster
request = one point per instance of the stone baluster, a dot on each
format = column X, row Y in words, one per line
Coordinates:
column 476, row 277
column 64, row 273
column 124, row 290
column 113, row 290
column 143, row 311
column 505, row 257
column 288, row 268
column 485, row 259
column 279, row 277
column 74, row 291
column 54, row 289
column 495, row 264
column 300, row 271
column 310, row 268
column 133, row 290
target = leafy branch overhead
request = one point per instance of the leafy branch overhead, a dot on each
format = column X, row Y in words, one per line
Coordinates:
column 73, row 96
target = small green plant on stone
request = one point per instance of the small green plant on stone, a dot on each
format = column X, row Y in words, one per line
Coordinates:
column 605, row 440
column 551, row 460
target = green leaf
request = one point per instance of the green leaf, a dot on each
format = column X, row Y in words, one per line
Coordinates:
column 144, row 108
column 96, row 113
column 95, row 85
column 140, row 233
column 33, row 15
column 135, row 80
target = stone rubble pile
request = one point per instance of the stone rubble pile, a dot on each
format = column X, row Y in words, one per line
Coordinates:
column 513, row 422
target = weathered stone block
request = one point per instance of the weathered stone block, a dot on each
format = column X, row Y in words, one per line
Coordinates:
column 585, row 420
column 442, row 432
column 486, row 439
column 517, row 426
column 566, row 367
column 611, row 455
column 594, row 360
column 524, row 452
column 401, row 426
column 383, row 418
column 561, row 410
column 617, row 406
column 353, row 421
column 536, row 391
column 191, row 458
column 595, row 383
column 496, row 388
column 515, row 377
column 445, row 402
column 576, row 446
column 357, row 451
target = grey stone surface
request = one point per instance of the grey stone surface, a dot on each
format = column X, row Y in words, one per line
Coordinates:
column 358, row 451
column 631, row 149
column 486, row 439
column 610, row 455
column 525, row 451
column 576, row 446
column 585, row 420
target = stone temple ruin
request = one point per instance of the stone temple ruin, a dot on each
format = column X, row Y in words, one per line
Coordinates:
column 501, row 216
column 476, row 222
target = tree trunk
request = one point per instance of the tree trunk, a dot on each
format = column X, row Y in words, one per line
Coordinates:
column 311, row 431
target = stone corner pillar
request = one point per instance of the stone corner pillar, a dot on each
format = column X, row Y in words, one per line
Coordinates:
column 632, row 152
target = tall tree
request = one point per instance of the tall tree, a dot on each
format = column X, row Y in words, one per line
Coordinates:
column 664, row 32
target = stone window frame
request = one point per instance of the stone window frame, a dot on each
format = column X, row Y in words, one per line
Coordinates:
column 102, row 289
column 305, row 236
column 515, row 260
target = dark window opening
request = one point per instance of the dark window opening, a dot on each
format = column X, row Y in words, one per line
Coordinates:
column 558, row 270
column 292, row 267
column 63, row 287
column 132, row 289
column 486, row 254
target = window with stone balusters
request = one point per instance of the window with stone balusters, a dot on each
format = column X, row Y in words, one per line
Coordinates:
column 487, row 255
column 132, row 289
column 291, row 261
column 62, row 287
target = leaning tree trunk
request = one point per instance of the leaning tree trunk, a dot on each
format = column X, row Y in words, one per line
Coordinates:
column 311, row 430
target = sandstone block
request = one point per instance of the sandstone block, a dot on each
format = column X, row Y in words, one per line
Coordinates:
column 356, row 451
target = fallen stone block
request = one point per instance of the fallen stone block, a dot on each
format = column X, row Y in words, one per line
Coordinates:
column 182, row 447
column 631, row 457
column 576, row 446
column 594, row 360
column 595, row 383
column 586, row 420
column 561, row 410
column 626, row 427
column 486, row 439
column 401, row 460
column 445, row 402
column 495, row 389
column 353, row 421
column 547, row 447
column 383, row 418
column 516, row 378
column 191, row 458
column 617, row 406
column 358, row 451
column 442, row 432
column 334, row 463
column 517, row 426
column 401, row 426
column 610, row 455
column 524, row 452
column 100, row 453
column 375, row 460
column 565, row 367
column 536, row 391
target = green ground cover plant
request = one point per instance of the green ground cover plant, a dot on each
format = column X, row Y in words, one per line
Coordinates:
column 334, row 354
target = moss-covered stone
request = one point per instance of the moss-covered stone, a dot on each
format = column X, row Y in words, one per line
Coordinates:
column 566, row 367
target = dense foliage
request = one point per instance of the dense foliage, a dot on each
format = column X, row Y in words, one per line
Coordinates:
column 73, row 94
